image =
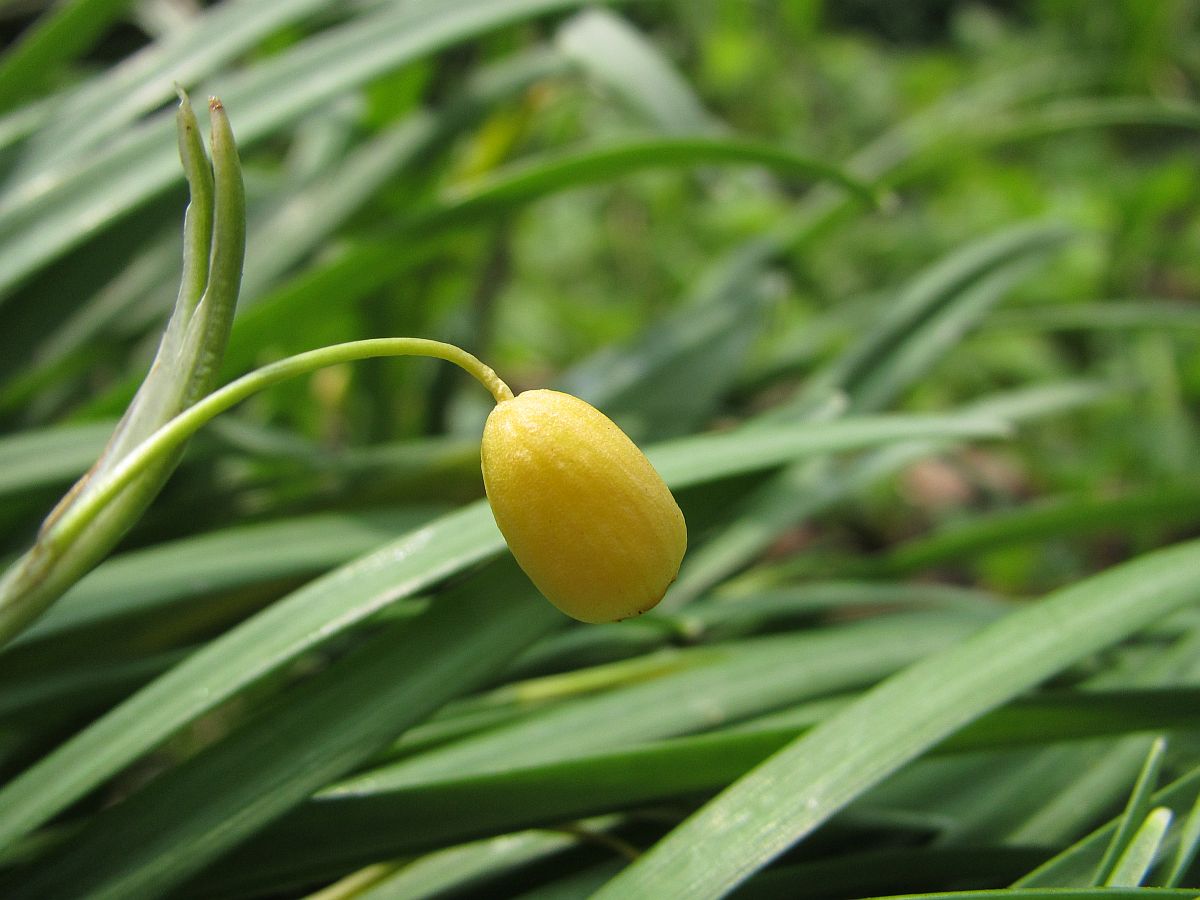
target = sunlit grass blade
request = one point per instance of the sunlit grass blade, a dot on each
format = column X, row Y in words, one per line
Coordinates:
column 1133, row 818
column 1141, row 852
column 1076, row 865
column 790, row 795
column 458, row 867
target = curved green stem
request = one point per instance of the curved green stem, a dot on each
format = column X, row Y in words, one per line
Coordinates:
column 176, row 432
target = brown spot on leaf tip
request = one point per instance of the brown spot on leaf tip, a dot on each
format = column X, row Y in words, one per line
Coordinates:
column 214, row 103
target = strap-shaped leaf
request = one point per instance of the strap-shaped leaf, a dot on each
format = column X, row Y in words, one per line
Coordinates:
column 182, row 372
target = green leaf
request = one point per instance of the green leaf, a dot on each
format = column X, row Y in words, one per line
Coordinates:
column 713, row 684
column 694, row 460
column 1087, row 113
column 792, row 793
column 865, row 873
column 242, row 656
column 667, row 381
column 292, row 230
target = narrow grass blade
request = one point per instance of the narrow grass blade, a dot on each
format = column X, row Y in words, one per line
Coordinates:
column 866, row 873
column 242, row 656
column 49, row 697
column 459, row 867
column 935, row 307
column 721, row 682
column 1075, row 866
column 1134, row 816
column 293, row 231
column 668, row 380
column 1140, row 854
column 748, row 450
column 1187, row 849
column 1083, row 113
column 791, row 794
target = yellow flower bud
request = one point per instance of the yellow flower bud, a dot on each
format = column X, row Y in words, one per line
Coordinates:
column 586, row 516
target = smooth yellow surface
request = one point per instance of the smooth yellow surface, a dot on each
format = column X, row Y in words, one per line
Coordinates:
column 583, row 511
